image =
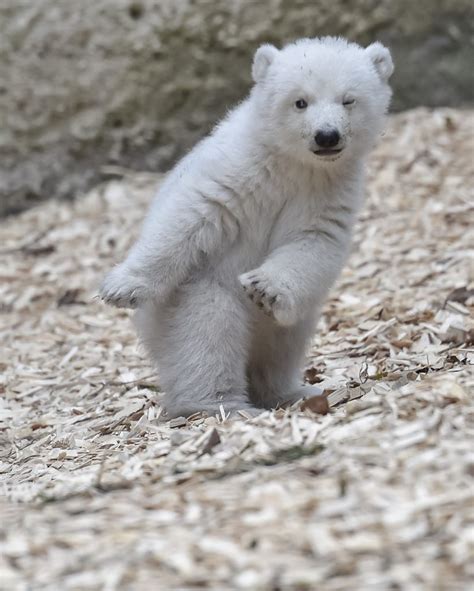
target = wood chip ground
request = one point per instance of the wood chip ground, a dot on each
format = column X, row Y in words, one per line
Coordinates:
column 97, row 493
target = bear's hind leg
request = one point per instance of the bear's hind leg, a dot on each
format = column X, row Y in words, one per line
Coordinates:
column 275, row 364
column 199, row 343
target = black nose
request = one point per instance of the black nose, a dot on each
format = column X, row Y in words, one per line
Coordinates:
column 327, row 139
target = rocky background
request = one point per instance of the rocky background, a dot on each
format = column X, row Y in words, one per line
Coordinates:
column 89, row 87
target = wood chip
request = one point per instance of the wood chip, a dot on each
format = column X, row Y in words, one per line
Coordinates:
column 212, row 440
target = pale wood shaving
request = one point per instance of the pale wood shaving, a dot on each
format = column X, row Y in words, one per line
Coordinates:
column 98, row 493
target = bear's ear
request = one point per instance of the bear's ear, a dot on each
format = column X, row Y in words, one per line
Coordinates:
column 381, row 59
column 264, row 56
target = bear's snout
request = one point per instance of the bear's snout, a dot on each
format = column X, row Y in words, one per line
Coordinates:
column 328, row 138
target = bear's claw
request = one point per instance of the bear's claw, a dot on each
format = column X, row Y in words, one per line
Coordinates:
column 122, row 290
column 270, row 299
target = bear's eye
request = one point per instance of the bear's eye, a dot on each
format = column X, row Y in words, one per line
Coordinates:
column 301, row 104
column 347, row 102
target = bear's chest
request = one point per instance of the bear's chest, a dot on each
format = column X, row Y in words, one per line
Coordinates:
column 273, row 217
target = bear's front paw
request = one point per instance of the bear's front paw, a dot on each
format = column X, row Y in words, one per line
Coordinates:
column 272, row 299
column 122, row 289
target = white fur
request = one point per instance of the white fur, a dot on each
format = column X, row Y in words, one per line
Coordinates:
column 250, row 230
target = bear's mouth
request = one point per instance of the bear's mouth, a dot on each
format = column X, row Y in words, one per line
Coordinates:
column 328, row 151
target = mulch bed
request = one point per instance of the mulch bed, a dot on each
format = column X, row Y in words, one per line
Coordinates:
column 98, row 493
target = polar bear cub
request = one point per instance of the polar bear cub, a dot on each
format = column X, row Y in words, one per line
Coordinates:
column 249, row 231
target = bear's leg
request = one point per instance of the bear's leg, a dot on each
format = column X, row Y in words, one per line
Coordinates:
column 199, row 342
column 275, row 364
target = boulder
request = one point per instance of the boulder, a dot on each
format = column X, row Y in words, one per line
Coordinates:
column 89, row 87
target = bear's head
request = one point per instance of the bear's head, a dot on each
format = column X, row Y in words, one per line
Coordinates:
column 322, row 100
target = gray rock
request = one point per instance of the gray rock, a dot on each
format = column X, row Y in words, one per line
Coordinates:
column 136, row 83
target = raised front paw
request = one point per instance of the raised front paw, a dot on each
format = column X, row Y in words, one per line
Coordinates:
column 270, row 297
column 122, row 289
